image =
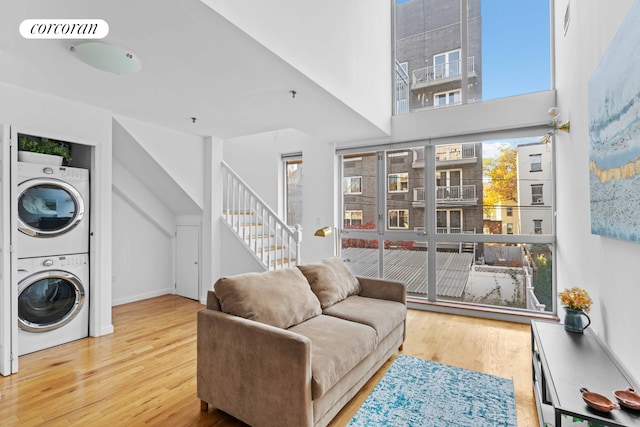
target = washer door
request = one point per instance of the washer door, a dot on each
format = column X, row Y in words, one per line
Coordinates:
column 49, row 300
column 48, row 207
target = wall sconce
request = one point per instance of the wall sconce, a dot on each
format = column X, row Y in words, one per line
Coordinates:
column 328, row 231
column 556, row 125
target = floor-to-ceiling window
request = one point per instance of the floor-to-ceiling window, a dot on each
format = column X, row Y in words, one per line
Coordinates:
column 456, row 222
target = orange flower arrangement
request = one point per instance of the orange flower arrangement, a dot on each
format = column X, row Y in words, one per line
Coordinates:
column 576, row 299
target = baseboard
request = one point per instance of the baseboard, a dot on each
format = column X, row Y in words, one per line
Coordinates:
column 140, row 297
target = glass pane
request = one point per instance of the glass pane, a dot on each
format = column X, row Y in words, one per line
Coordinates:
column 46, row 207
column 46, row 301
column 516, row 198
column 361, row 256
column 514, row 40
column 495, row 274
column 359, row 191
column 405, row 189
column 459, row 188
column 294, row 192
column 507, row 51
column 406, row 261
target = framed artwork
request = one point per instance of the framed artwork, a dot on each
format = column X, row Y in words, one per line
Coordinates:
column 614, row 134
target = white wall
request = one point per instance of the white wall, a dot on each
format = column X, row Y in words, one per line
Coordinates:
column 143, row 241
column 143, row 255
column 607, row 268
column 343, row 46
column 180, row 154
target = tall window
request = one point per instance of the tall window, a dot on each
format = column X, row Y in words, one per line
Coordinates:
column 446, row 65
column 453, row 221
column 293, row 188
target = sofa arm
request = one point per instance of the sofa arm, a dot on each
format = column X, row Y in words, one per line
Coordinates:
column 383, row 289
column 258, row 373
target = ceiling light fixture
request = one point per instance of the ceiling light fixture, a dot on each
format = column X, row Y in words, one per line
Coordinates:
column 107, row 57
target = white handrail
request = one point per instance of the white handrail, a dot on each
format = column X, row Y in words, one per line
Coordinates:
column 271, row 240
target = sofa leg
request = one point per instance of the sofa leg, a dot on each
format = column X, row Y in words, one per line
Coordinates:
column 401, row 347
column 204, row 406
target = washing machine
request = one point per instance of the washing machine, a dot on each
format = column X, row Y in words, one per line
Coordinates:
column 53, row 301
column 53, row 210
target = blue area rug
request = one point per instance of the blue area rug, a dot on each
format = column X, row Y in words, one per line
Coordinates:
column 417, row 392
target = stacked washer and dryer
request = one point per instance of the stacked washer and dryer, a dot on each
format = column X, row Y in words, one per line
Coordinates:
column 52, row 246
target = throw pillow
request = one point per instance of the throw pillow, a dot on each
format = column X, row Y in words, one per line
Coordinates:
column 280, row 298
column 331, row 281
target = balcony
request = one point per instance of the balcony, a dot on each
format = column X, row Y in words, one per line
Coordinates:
column 441, row 73
column 455, row 195
column 448, row 155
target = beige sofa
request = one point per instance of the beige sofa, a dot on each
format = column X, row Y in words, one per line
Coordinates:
column 289, row 348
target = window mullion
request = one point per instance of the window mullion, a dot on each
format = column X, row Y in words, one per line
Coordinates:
column 381, row 200
column 430, row 217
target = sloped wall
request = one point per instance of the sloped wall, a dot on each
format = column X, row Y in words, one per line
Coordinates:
column 343, row 46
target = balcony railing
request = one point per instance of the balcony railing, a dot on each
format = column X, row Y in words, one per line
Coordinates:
column 456, row 194
column 455, row 153
column 441, row 73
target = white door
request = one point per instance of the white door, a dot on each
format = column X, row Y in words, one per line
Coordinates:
column 188, row 261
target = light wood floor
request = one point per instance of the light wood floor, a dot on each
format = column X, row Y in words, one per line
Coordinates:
column 145, row 373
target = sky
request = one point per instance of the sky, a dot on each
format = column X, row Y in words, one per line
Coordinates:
column 515, row 47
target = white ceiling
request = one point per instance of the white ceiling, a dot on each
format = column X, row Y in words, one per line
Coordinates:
column 194, row 64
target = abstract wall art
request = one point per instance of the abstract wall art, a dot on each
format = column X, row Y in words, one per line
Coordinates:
column 614, row 134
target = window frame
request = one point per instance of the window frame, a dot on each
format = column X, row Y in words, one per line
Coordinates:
column 534, row 199
column 398, row 217
column 535, row 166
column 348, row 187
column 286, row 159
column 351, row 212
column 405, row 182
column 425, row 236
column 447, row 94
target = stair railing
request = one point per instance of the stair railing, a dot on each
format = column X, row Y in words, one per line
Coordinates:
column 270, row 239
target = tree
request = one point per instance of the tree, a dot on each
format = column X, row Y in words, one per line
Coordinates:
column 502, row 174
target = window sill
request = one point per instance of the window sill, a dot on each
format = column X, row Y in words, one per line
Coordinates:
column 496, row 313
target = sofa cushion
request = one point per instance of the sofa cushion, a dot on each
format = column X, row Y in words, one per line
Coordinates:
column 330, row 280
column 337, row 346
column 280, row 298
column 382, row 315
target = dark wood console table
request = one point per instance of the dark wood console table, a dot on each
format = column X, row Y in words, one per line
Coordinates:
column 564, row 362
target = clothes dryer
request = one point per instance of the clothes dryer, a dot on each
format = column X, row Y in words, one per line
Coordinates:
column 53, row 210
column 53, row 301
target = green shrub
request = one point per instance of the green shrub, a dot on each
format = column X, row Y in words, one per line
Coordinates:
column 36, row 144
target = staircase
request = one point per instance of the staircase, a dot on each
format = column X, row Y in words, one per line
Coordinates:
column 274, row 244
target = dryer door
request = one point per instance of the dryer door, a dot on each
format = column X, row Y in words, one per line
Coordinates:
column 49, row 300
column 48, row 207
